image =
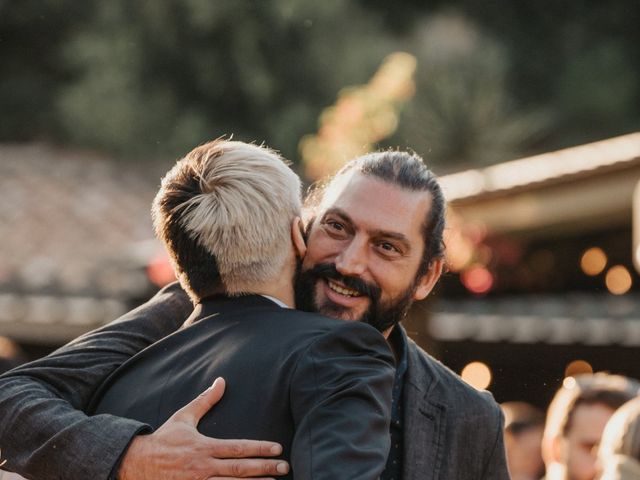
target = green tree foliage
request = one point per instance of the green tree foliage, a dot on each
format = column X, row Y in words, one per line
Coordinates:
column 571, row 66
column 159, row 77
column 462, row 113
column 32, row 33
column 151, row 78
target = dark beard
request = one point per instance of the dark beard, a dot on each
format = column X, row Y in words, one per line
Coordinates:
column 379, row 315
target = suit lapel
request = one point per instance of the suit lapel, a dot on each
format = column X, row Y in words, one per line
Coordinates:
column 424, row 419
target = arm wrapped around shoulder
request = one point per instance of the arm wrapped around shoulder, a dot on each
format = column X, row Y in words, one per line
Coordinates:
column 341, row 401
column 43, row 427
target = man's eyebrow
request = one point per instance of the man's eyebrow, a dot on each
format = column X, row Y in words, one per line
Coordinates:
column 338, row 212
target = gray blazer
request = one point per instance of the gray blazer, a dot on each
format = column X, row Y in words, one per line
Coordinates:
column 451, row 430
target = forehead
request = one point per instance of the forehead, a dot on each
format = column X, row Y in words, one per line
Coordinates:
column 588, row 422
column 375, row 204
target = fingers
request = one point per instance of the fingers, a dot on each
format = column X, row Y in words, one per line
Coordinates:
column 250, row 467
column 243, row 448
column 199, row 406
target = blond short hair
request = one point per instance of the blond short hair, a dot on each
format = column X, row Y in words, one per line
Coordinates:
column 586, row 389
column 224, row 212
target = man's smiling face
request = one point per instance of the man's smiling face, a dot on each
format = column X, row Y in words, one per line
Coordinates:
column 364, row 249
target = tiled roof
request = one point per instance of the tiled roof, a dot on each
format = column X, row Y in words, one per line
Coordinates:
column 73, row 226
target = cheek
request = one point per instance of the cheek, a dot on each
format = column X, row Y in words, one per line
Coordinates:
column 319, row 248
column 582, row 462
column 392, row 281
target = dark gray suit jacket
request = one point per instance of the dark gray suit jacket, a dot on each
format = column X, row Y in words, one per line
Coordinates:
column 320, row 387
column 451, row 432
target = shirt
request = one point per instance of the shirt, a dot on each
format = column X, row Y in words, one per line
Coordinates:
column 393, row 469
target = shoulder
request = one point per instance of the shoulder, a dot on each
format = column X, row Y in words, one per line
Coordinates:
column 316, row 323
column 448, row 388
column 323, row 336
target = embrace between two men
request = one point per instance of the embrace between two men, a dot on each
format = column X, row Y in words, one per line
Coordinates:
column 350, row 396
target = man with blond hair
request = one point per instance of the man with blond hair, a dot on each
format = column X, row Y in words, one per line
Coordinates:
column 576, row 418
column 229, row 215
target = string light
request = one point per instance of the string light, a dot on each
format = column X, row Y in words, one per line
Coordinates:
column 618, row 280
column 593, row 261
column 477, row 374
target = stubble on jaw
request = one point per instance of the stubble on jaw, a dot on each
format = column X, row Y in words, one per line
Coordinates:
column 378, row 314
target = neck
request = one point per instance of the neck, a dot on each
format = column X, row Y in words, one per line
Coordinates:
column 280, row 287
column 285, row 295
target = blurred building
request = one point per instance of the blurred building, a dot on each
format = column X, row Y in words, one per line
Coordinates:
column 541, row 285
column 542, row 281
column 75, row 243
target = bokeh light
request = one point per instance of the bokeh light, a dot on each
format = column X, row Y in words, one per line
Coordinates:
column 577, row 367
column 8, row 348
column 361, row 117
column 477, row 374
column 593, row 261
column 618, row 280
column 459, row 249
column 160, row 271
column 477, row 279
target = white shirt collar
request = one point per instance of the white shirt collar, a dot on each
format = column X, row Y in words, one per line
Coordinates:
column 280, row 303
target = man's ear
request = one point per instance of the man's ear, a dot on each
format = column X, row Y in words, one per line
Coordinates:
column 297, row 237
column 427, row 281
column 552, row 449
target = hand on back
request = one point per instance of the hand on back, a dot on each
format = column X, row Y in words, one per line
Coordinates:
column 177, row 451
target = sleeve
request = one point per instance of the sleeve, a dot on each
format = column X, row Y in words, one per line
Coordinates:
column 496, row 465
column 42, row 430
column 341, row 403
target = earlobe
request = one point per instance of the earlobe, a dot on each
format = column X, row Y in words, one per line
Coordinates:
column 428, row 280
column 297, row 237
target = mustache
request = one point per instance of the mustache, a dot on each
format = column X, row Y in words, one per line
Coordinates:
column 329, row 271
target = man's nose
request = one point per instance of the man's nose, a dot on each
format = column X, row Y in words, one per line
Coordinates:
column 352, row 261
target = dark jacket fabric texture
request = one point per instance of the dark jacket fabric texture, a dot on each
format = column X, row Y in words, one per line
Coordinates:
column 451, row 431
column 318, row 386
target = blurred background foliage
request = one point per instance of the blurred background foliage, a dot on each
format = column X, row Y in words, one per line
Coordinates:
column 144, row 80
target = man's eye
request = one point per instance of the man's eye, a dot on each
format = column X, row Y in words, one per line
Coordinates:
column 337, row 226
column 388, row 247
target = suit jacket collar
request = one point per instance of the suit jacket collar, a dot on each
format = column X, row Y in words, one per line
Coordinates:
column 219, row 304
column 425, row 417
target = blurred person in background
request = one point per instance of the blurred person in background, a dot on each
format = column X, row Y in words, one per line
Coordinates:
column 576, row 418
column 523, row 427
column 619, row 452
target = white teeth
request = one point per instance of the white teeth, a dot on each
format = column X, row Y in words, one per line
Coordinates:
column 343, row 291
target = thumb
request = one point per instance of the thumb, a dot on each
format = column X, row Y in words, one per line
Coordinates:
column 199, row 406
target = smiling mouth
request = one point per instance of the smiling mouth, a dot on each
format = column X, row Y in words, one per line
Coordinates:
column 347, row 292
